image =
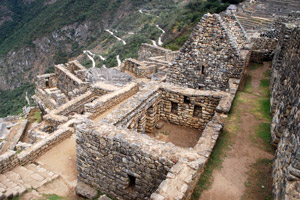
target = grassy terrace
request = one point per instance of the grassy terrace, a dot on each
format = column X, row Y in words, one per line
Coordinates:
column 254, row 99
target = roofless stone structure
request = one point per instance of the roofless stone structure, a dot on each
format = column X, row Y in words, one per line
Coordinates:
column 118, row 113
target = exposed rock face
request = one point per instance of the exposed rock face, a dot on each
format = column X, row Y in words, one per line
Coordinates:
column 23, row 65
column 285, row 105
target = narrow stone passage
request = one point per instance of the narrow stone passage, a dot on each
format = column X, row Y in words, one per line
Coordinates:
column 230, row 182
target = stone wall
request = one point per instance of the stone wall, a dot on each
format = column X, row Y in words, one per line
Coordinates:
column 209, row 58
column 184, row 176
column 138, row 68
column 153, row 103
column 8, row 161
column 11, row 159
column 46, row 81
column 122, row 163
column 279, row 75
column 263, row 49
column 132, row 112
column 147, row 51
column 105, row 102
column 69, row 83
column 113, row 157
column 187, row 107
column 285, row 106
column 76, row 105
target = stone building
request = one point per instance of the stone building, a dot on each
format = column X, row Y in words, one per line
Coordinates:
column 216, row 51
column 114, row 111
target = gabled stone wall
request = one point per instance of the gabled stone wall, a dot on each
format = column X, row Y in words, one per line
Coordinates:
column 208, row 59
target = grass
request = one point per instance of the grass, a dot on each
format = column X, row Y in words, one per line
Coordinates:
column 255, row 66
column 263, row 132
column 221, row 148
column 262, row 106
column 18, row 152
column 53, row 197
column 248, row 87
column 36, row 116
column 215, row 162
column 259, row 183
column 258, row 176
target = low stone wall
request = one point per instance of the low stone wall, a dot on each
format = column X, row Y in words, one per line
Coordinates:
column 45, row 102
column 184, row 176
column 75, row 105
column 11, row 159
column 38, row 149
column 105, row 102
column 8, row 161
column 147, row 51
column 132, row 112
column 263, row 49
column 123, row 163
column 18, row 135
column 138, row 68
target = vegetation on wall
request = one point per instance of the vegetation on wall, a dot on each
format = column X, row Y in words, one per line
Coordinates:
column 189, row 16
column 12, row 102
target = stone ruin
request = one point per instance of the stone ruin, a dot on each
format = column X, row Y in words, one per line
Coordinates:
column 114, row 112
column 217, row 51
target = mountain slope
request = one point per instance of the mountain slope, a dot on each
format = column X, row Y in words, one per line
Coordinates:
column 36, row 34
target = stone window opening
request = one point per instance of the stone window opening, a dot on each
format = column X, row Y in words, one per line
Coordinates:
column 131, row 184
column 197, row 111
column 202, row 69
column 47, row 83
column 174, row 108
column 187, row 100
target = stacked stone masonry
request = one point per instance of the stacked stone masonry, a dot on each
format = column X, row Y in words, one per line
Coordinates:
column 285, row 106
column 111, row 110
column 212, row 55
column 114, row 154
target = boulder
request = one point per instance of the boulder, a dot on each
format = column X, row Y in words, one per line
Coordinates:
column 85, row 190
column 159, row 125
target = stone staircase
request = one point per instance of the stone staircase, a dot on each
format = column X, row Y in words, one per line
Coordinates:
column 15, row 182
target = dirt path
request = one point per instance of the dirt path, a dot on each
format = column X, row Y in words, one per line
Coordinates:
column 229, row 181
column 62, row 160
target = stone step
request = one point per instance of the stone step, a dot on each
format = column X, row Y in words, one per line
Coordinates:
column 16, row 178
column 20, row 179
column 29, row 177
column 8, row 186
column 49, row 176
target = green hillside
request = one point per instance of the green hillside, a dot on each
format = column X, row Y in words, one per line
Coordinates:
column 37, row 19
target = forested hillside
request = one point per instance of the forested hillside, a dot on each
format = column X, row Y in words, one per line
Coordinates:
column 36, row 34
